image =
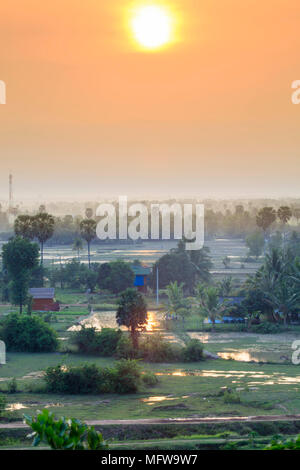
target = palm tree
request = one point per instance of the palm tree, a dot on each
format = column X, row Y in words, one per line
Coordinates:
column 77, row 246
column 265, row 218
column 88, row 232
column 283, row 298
column 211, row 305
column 43, row 227
column 176, row 302
column 24, row 226
column 284, row 214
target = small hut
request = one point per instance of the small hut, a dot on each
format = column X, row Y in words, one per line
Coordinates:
column 43, row 299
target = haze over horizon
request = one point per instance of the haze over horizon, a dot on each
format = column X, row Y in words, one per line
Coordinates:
column 89, row 114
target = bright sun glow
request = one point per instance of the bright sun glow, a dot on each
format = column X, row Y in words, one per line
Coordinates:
column 152, row 26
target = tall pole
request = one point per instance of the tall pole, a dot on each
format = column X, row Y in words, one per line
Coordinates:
column 157, row 287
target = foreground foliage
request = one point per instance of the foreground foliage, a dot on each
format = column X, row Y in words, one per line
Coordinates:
column 63, row 433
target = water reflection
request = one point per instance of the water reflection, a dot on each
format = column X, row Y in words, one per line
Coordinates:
column 101, row 320
column 238, row 356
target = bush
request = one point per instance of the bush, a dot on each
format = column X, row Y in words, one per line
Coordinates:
column 128, row 376
column 193, row 351
column 125, row 348
column 125, row 377
column 103, row 343
column 267, row 328
column 155, row 349
column 150, row 379
column 230, row 397
column 23, row 333
column 12, row 386
column 2, row 404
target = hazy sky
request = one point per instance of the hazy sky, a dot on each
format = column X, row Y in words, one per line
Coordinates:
column 89, row 113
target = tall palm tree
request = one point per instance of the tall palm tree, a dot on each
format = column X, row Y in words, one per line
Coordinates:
column 88, row 232
column 24, row 226
column 265, row 218
column 284, row 214
column 43, row 226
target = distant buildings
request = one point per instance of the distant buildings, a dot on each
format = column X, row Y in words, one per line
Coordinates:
column 43, row 300
column 142, row 274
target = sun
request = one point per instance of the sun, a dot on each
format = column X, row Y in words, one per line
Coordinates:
column 152, row 26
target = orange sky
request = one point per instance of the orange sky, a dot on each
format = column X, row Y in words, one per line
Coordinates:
column 88, row 113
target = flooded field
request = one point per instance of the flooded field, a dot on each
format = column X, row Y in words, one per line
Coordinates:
column 249, row 347
column 150, row 251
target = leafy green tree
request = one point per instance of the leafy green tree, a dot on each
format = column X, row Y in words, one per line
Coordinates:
column 116, row 276
column 43, row 225
column 20, row 257
column 24, row 227
column 284, row 214
column 132, row 313
column 88, row 232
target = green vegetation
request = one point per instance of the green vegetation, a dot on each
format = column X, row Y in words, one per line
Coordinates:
column 27, row 334
column 64, row 434
column 124, row 377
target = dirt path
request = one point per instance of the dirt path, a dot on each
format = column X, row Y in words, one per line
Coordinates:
column 184, row 421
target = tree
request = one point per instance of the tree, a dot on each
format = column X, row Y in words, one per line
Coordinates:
column 265, row 218
column 24, row 226
column 176, row 302
column 211, row 305
column 77, row 246
column 283, row 298
column 20, row 257
column 284, row 214
column 43, row 224
column 88, row 232
column 115, row 276
column 255, row 242
column 225, row 286
column 132, row 313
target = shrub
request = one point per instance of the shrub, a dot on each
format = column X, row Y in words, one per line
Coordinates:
column 230, row 397
column 193, row 351
column 12, row 386
column 103, row 343
column 64, row 434
column 155, row 349
column 125, row 348
column 23, row 333
column 150, row 379
column 128, row 376
column 2, row 404
column 267, row 328
column 125, row 377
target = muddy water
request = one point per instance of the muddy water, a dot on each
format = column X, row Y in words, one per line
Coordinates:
column 249, row 347
column 101, row 320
